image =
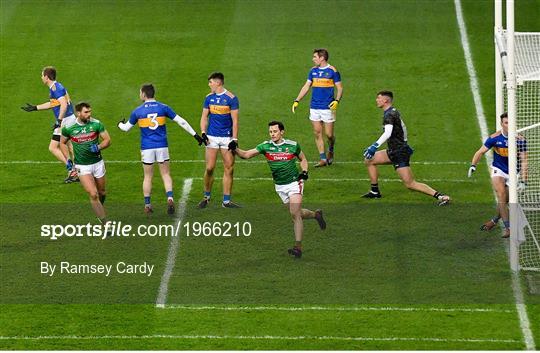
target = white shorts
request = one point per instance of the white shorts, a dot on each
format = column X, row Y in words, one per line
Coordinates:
column 218, row 142
column 324, row 115
column 97, row 170
column 285, row 191
column 153, row 155
column 67, row 122
column 496, row 172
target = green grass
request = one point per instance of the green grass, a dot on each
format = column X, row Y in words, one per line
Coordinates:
column 399, row 252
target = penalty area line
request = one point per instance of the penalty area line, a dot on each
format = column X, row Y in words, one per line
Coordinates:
column 173, row 247
column 264, row 337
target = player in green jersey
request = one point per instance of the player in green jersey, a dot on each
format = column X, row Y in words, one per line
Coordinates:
column 281, row 155
column 84, row 135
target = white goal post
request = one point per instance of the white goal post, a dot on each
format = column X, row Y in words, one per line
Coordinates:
column 517, row 84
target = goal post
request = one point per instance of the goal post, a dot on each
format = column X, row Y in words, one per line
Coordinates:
column 517, row 76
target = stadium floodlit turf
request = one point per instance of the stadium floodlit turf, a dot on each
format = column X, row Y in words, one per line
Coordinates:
column 394, row 273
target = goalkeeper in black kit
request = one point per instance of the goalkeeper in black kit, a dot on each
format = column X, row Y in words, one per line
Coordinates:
column 398, row 153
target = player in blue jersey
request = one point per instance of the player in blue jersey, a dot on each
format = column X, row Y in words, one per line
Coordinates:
column 499, row 171
column 219, row 129
column 151, row 117
column 60, row 103
column 322, row 78
column 398, row 152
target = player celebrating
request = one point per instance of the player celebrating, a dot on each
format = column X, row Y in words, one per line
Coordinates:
column 323, row 78
column 151, row 117
column 499, row 171
column 60, row 103
column 84, row 135
column 398, row 152
column 289, row 184
column 219, row 129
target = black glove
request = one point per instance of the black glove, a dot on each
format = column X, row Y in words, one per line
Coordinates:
column 29, row 107
column 55, row 125
column 303, row 176
column 232, row 145
column 205, row 138
column 199, row 139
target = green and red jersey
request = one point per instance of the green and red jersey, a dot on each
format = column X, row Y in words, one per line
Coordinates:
column 281, row 159
column 82, row 136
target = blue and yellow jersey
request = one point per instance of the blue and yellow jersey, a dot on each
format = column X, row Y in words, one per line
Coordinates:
column 151, row 117
column 499, row 143
column 220, row 107
column 323, row 80
column 57, row 91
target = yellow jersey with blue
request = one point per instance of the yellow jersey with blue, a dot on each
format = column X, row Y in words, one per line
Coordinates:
column 152, row 117
column 220, row 106
column 323, row 80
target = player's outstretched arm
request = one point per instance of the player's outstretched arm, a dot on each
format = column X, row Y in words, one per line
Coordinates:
column 246, row 154
column 476, row 158
column 185, row 125
column 124, row 126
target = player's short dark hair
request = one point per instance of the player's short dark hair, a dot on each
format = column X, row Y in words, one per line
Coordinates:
column 322, row 52
column 50, row 72
column 79, row 106
column 217, row 76
column 386, row 94
column 504, row 115
column 278, row 123
column 148, row 90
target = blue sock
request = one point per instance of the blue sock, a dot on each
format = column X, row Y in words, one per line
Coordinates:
column 322, row 156
column 331, row 148
column 226, row 198
column 147, row 200
column 496, row 219
column 506, row 224
column 170, row 194
column 207, row 194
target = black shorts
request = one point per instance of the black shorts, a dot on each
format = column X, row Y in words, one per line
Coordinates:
column 401, row 157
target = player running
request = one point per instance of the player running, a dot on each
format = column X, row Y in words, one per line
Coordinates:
column 323, row 78
column 398, row 152
column 219, row 129
column 289, row 184
column 84, row 135
column 499, row 171
column 60, row 103
column 151, row 117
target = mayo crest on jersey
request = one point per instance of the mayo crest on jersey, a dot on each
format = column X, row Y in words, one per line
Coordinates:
column 57, row 91
column 151, row 117
column 499, row 143
column 220, row 106
column 323, row 80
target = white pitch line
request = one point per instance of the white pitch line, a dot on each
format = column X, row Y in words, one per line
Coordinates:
column 173, row 247
column 480, row 116
column 265, row 337
column 239, row 161
column 330, row 308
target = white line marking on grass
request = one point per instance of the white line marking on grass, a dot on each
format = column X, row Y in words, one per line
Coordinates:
column 238, row 161
column 173, row 247
column 480, row 116
column 331, row 308
column 265, row 337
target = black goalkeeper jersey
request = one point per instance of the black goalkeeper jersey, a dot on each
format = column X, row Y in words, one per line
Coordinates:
column 398, row 139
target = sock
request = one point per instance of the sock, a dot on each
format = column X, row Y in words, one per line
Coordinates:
column 506, row 224
column 226, row 198
column 298, row 244
column 331, row 148
column 147, row 200
column 207, row 195
column 102, row 198
column 322, row 156
column 169, row 195
column 375, row 188
column 496, row 219
column 437, row 194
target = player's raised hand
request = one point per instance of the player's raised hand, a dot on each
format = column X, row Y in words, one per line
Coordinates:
column 295, row 105
column 199, row 139
column 369, row 152
column 472, row 169
column 233, row 145
column 303, row 176
column 29, row 107
column 334, row 104
column 94, row 148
